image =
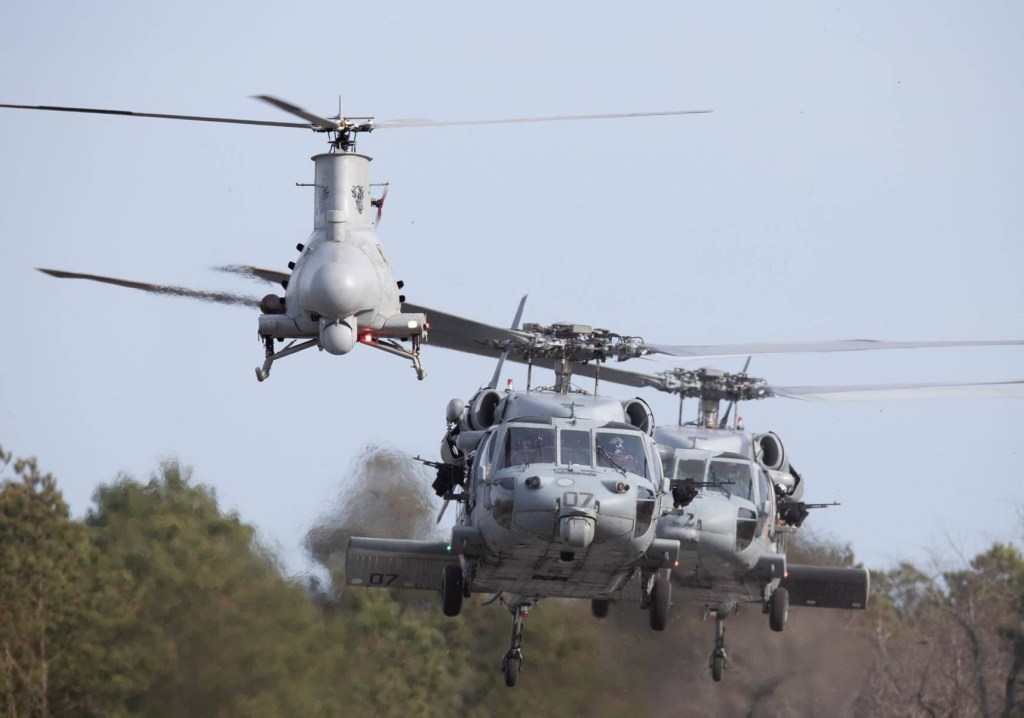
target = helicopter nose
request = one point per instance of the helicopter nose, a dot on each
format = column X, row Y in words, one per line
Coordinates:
column 339, row 288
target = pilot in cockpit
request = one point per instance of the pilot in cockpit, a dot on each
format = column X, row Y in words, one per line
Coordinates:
column 611, row 451
column 529, row 447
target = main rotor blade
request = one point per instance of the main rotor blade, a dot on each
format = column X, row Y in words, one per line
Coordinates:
column 129, row 113
column 1013, row 389
column 453, row 332
column 716, row 351
column 274, row 276
column 216, row 297
column 388, row 124
column 504, row 355
column 925, row 390
column 322, row 122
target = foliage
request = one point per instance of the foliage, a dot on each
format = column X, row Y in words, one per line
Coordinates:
column 61, row 606
column 161, row 604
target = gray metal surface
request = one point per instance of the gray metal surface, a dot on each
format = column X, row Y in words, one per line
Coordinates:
column 827, row 586
column 396, row 563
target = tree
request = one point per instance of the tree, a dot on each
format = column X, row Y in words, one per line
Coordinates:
column 59, row 606
column 217, row 629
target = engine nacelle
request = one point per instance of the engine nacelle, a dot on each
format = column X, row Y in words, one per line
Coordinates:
column 483, row 409
column 770, row 452
column 639, row 414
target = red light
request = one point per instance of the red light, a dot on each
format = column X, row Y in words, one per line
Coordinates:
column 675, row 565
column 367, row 338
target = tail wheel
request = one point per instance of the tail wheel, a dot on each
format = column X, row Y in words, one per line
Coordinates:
column 661, row 601
column 451, row 590
column 778, row 611
column 599, row 607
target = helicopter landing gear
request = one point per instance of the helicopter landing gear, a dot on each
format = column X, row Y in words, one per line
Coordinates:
column 268, row 344
column 661, row 602
column 391, row 347
column 513, row 659
column 719, row 661
column 451, row 589
column 657, row 598
column 467, row 580
column 778, row 609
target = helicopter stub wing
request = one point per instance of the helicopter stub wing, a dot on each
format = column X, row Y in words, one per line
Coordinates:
column 396, row 563
column 827, row 586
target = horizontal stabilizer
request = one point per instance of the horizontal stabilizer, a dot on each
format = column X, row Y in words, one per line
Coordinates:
column 396, row 563
column 827, row 586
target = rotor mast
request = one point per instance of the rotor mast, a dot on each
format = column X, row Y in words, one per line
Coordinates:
column 568, row 344
column 712, row 387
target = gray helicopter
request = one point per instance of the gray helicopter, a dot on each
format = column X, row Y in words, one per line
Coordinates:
column 340, row 291
column 724, row 500
column 737, row 498
column 558, row 494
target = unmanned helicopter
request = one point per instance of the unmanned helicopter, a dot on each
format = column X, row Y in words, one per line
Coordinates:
column 340, row 291
column 546, row 481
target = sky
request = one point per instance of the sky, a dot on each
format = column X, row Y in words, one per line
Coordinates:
column 860, row 176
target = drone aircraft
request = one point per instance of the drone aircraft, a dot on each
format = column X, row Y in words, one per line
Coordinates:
column 340, row 290
column 561, row 492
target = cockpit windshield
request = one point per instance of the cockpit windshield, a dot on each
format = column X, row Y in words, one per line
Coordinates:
column 734, row 475
column 527, row 445
column 620, row 450
column 623, row 451
column 692, row 469
column 575, row 446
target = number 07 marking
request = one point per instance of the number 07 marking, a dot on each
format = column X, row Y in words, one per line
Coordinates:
column 577, row 498
column 382, row 579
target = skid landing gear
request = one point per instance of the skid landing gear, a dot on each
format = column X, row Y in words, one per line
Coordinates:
column 271, row 356
column 513, row 659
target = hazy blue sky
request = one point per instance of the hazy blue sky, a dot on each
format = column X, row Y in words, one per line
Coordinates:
column 861, row 176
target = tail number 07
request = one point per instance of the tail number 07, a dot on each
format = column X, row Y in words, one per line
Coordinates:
column 577, row 499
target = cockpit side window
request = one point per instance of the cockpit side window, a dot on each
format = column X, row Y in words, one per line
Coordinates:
column 525, row 445
column 575, row 447
column 765, row 492
column 735, row 475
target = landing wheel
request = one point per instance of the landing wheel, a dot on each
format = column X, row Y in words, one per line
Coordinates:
column 512, row 665
column 778, row 609
column 599, row 607
column 719, row 659
column 717, row 665
column 451, row 590
column 661, row 601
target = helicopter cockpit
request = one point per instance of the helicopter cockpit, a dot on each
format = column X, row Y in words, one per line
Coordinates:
column 731, row 476
column 607, row 446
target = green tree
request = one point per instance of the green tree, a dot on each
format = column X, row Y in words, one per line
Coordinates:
column 218, row 631
column 60, row 606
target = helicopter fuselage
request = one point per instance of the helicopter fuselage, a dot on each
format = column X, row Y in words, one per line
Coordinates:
column 342, row 289
column 730, row 548
column 550, row 511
